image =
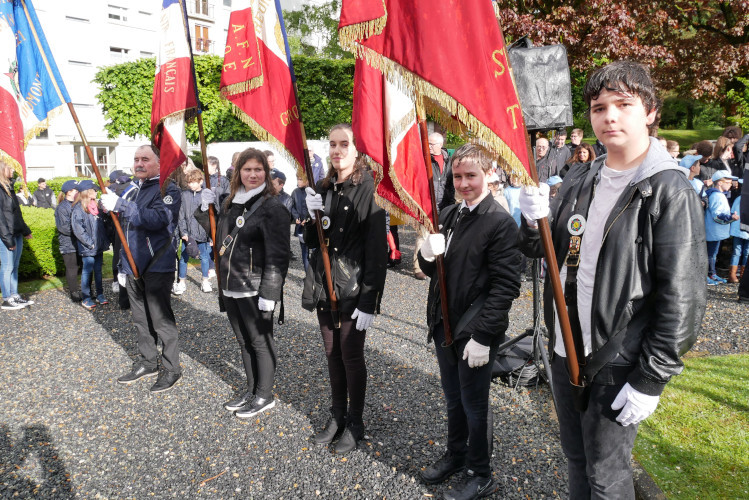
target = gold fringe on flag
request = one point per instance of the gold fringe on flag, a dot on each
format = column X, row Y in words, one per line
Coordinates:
column 41, row 126
column 242, row 87
column 348, row 36
column 264, row 136
column 444, row 108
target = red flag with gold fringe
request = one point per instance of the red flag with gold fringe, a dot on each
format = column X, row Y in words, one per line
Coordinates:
column 460, row 76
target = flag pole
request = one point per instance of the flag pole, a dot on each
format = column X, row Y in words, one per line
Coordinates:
column 211, row 208
column 318, row 216
column 435, row 228
column 114, row 216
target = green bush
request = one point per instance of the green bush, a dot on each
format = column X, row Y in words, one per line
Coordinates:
column 55, row 184
column 41, row 254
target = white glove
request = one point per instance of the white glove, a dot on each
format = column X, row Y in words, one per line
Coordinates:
column 109, row 200
column 363, row 320
column 313, row 200
column 434, row 245
column 476, row 354
column 635, row 405
column 534, row 202
column 122, row 279
column 265, row 305
column 207, row 198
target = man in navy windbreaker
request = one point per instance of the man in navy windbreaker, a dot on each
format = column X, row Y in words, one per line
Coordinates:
column 149, row 219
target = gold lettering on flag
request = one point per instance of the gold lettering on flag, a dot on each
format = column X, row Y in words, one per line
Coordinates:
column 502, row 66
column 247, row 63
column 238, row 27
column 289, row 116
column 511, row 110
column 231, row 65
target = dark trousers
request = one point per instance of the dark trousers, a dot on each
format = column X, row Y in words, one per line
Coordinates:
column 597, row 447
column 344, row 348
column 254, row 331
column 71, row 272
column 154, row 319
column 744, row 285
column 122, row 299
column 469, row 416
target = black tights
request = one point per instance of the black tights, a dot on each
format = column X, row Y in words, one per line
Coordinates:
column 344, row 348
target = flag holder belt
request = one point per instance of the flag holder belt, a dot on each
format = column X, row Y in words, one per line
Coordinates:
column 229, row 240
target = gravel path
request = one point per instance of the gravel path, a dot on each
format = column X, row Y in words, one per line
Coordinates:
column 68, row 429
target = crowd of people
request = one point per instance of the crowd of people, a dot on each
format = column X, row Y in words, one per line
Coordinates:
column 636, row 228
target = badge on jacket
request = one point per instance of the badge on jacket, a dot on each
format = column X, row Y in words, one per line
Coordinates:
column 168, row 200
column 240, row 221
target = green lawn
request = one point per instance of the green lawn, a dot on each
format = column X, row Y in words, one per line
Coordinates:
column 696, row 445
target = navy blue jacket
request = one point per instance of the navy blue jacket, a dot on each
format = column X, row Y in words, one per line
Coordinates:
column 89, row 231
column 150, row 223
column 65, row 235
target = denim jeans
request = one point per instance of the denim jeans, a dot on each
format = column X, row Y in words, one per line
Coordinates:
column 91, row 264
column 205, row 259
column 712, row 254
column 9, row 260
column 597, row 447
column 469, row 414
column 740, row 251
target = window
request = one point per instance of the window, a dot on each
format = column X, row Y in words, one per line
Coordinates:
column 104, row 157
column 117, row 13
column 201, row 7
column 44, row 134
column 118, row 54
column 79, row 63
column 227, row 3
column 202, row 41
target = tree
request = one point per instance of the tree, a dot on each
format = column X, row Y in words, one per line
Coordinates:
column 126, row 92
column 315, row 22
column 696, row 47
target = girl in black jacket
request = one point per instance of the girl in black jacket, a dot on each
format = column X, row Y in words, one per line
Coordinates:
column 253, row 235
column 12, row 232
column 355, row 235
column 63, row 217
column 482, row 273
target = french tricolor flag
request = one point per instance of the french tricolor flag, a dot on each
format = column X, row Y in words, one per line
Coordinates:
column 258, row 77
column 174, row 93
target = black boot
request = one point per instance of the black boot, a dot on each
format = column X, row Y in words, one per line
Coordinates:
column 446, row 466
column 333, row 429
column 350, row 438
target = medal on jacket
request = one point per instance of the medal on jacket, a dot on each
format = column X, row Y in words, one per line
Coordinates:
column 240, row 221
column 576, row 227
column 325, row 222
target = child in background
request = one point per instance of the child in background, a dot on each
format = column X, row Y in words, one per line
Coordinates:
column 554, row 182
column 301, row 217
column 718, row 216
column 740, row 244
column 89, row 230
column 498, row 191
column 189, row 228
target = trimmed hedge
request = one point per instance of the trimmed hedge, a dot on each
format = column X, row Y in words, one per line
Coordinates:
column 55, row 184
column 41, row 254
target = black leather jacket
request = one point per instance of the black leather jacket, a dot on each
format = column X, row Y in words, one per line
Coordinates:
column 11, row 220
column 356, row 246
column 259, row 258
column 650, row 291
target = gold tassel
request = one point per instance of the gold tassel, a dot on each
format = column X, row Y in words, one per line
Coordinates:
column 242, row 87
column 348, row 36
column 41, row 126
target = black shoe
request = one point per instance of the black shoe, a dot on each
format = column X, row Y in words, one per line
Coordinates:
column 420, row 276
column 474, row 487
column 11, row 303
column 237, row 403
column 443, row 468
column 76, row 297
column 332, row 431
column 138, row 372
column 258, row 405
column 349, row 439
column 166, row 381
column 743, row 299
column 22, row 301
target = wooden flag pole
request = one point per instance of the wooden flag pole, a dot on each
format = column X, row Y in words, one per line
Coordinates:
column 435, row 225
column 114, row 216
column 211, row 208
column 318, row 223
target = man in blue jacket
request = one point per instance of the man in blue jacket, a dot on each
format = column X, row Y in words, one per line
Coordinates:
column 150, row 217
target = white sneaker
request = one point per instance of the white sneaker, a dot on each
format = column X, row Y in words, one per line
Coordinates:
column 115, row 287
column 179, row 288
column 206, row 286
column 211, row 273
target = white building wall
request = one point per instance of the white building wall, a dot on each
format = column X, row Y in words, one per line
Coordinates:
column 87, row 34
